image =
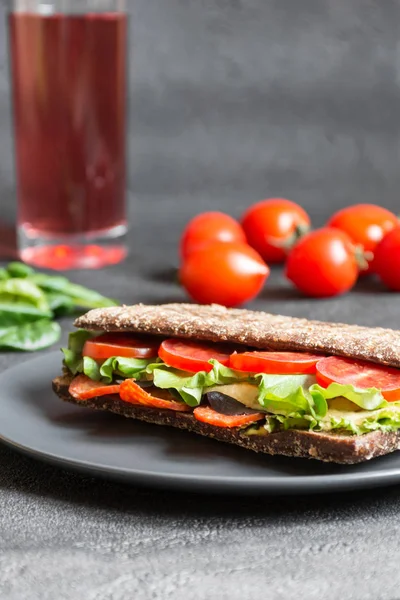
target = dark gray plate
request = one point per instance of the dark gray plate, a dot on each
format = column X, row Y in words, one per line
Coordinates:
column 34, row 421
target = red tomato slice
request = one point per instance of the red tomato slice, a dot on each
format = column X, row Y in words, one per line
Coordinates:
column 84, row 388
column 361, row 374
column 121, row 344
column 275, row 362
column 131, row 392
column 206, row 414
column 193, row 356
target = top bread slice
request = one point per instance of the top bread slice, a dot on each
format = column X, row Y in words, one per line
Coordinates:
column 255, row 329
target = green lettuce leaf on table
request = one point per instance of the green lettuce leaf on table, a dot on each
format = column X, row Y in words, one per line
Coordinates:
column 30, row 301
column 77, row 294
column 29, row 337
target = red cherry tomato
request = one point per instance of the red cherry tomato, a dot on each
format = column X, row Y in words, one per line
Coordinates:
column 206, row 414
column 365, row 224
column 121, row 344
column 361, row 374
column 275, row 362
column 271, row 225
column 193, row 356
column 323, row 263
column 210, row 227
column 387, row 260
column 224, row 273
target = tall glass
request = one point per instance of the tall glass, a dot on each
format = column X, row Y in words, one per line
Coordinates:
column 68, row 73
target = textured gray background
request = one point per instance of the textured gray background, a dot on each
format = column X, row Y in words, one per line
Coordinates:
column 232, row 101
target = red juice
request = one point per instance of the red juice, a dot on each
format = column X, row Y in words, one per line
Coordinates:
column 69, row 100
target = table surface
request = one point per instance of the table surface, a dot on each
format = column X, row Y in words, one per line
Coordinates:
column 234, row 100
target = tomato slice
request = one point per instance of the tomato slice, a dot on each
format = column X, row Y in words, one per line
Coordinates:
column 132, row 392
column 121, row 344
column 274, row 362
column 361, row 374
column 193, row 356
column 84, row 388
column 206, row 414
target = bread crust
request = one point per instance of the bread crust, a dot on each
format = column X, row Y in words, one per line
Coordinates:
column 327, row 447
column 255, row 329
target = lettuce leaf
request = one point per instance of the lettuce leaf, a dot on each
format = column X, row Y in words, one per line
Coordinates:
column 190, row 386
column 19, row 313
column 31, row 336
column 73, row 354
column 80, row 296
column 91, row 368
column 128, row 368
column 25, row 291
column 290, row 395
column 368, row 399
column 73, row 361
column 77, row 340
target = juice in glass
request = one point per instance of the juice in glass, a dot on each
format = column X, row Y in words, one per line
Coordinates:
column 68, row 73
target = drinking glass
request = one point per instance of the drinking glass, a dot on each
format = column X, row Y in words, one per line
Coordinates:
column 68, row 74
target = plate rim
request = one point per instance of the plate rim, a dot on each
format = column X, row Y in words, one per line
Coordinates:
column 269, row 485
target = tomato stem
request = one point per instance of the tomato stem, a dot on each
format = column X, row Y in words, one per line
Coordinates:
column 287, row 243
column 362, row 257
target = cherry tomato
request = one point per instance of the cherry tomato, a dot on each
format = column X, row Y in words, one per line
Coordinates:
column 84, row 388
column 193, row 356
column 274, row 362
column 361, row 374
column 210, row 227
column 387, row 260
column 121, row 344
column 323, row 263
column 365, row 224
column 131, row 392
column 206, row 414
column 272, row 226
column 224, row 273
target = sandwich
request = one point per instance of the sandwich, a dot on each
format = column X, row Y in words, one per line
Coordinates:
column 268, row 383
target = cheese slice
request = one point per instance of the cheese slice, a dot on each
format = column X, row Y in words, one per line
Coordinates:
column 243, row 392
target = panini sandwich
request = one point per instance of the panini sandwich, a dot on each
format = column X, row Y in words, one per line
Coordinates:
column 269, row 383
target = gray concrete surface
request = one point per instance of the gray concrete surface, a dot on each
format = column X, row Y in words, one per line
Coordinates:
column 232, row 101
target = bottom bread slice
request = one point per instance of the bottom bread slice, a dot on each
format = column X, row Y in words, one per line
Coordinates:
column 328, row 447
